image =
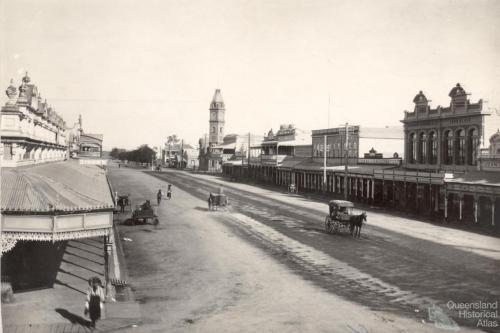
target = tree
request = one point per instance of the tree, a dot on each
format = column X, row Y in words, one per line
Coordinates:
column 143, row 154
column 115, row 152
column 172, row 139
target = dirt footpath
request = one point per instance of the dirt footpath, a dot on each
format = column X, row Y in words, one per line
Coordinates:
column 195, row 274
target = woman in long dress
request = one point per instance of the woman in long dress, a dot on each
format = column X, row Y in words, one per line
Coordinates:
column 95, row 300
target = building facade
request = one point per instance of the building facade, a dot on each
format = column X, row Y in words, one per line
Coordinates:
column 45, row 204
column 90, row 145
column 174, row 151
column 446, row 174
column 444, row 138
column 32, row 132
column 211, row 154
column 217, row 119
column 489, row 158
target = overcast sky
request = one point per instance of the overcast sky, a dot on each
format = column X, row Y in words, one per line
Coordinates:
column 139, row 71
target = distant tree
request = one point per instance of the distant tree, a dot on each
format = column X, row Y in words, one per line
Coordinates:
column 143, row 154
column 115, row 152
column 172, row 139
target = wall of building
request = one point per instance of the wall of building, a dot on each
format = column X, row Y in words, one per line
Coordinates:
column 31, row 131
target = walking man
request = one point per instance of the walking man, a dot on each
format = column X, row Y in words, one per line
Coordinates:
column 159, row 195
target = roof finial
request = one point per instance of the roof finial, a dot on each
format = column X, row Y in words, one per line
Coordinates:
column 26, row 78
column 11, row 93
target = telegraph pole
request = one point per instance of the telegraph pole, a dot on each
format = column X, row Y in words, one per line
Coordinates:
column 324, row 150
column 324, row 165
column 182, row 154
column 346, row 159
column 248, row 160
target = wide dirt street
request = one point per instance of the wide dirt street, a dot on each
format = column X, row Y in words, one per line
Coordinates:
column 266, row 265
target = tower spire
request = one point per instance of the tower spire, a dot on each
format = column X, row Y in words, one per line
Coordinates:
column 217, row 121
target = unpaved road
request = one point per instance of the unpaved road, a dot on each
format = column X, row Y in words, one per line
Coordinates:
column 266, row 265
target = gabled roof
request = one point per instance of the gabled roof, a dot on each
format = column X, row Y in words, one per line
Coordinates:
column 94, row 136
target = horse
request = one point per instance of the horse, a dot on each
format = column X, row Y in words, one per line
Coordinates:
column 355, row 224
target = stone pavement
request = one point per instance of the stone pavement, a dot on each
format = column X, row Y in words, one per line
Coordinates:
column 60, row 309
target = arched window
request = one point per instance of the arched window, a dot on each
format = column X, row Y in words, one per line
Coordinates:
column 448, row 147
column 422, row 148
column 213, row 129
column 412, row 148
column 432, row 144
column 460, row 147
column 472, row 145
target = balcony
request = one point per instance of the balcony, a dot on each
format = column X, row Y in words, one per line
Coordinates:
column 380, row 161
column 272, row 159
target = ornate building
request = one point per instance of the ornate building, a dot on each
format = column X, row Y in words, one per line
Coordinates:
column 44, row 205
column 446, row 174
column 32, row 132
column 211, row 154
column 217, row 122
column 444, row 138
column 489, row 158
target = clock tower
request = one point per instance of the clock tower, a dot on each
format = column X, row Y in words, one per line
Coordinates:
column 217, row 111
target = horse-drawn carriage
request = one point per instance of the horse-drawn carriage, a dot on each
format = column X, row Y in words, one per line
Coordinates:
column 341, row 218
column 217, row 200
column 144, row 213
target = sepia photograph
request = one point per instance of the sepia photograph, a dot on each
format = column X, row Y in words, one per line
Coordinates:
column 250, row 166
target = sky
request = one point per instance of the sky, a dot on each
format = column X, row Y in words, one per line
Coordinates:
column 139, row 71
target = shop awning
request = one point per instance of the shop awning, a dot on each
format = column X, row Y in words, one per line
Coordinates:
column 55, row 201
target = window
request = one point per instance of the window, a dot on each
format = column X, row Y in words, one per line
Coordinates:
column 448, row 147
column 422, row 149
column 213, row 129
column 472, row 145
column 432, row 148
column 7, row 151
column 221, row 130
column 460, row 147
column 412, row 151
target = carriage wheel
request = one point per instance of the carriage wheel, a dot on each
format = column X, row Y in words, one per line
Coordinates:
column 328, row 224
column 336, row 227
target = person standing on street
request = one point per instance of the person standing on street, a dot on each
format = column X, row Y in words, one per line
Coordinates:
column 159, row 195
column 95, row 300
column 169, row 191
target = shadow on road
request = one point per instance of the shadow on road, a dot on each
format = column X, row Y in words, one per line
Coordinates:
column 73, row 318
column 203, row 209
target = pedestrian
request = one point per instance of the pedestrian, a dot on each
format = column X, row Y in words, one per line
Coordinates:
column 169, row 191
column 210, row 201
column 159, row 195
column 95, row 300
column 121, row 203
column 118, row 165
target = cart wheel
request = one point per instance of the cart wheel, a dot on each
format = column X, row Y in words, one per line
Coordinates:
column 328, row 225
column 156, row 221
